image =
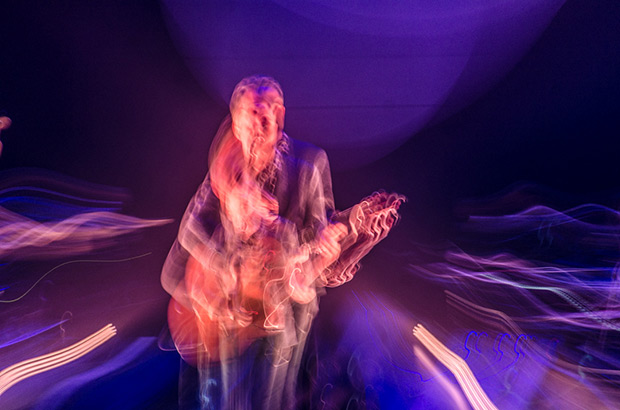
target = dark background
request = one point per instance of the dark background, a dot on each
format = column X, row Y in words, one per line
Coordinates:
column 98, row 92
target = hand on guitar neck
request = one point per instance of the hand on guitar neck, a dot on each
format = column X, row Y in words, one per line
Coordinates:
column 328, row 245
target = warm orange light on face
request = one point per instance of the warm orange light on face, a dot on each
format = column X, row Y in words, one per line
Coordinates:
column 255, row 125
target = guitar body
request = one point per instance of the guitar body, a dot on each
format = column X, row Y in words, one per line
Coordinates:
column 192, row 337
column 198, row 338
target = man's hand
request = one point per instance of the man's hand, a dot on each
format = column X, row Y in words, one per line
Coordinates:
column 328, row 245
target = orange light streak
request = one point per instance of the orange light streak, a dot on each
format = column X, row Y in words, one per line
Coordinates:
column 461, row 371
column 22, row 370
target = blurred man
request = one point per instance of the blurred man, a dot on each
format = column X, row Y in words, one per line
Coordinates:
column 257, row 244
column 5, row 123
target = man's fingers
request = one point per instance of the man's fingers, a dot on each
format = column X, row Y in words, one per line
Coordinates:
column 336, row 231
column 329, row 247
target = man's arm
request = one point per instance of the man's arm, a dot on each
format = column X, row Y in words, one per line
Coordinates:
column 194, row 240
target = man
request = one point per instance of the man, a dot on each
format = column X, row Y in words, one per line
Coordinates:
column 5, row 123
column 257, row 244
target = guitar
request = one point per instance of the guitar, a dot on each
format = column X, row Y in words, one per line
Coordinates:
column 266, row 281
column 197, row 329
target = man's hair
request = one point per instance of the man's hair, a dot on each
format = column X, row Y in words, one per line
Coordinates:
column 258, row 83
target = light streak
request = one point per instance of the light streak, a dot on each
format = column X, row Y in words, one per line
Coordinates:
column 112, row 204
column 537, row 351
column 26, row 238
column 28, row 368
column 465, row 345
column 499, row 350
column 459, row 368
column 32, row 334
column 452, row 391
column 68, row 263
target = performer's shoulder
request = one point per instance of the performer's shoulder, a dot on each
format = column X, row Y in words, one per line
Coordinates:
column 306, row 151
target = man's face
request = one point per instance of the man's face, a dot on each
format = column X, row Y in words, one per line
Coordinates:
column 255, row 125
